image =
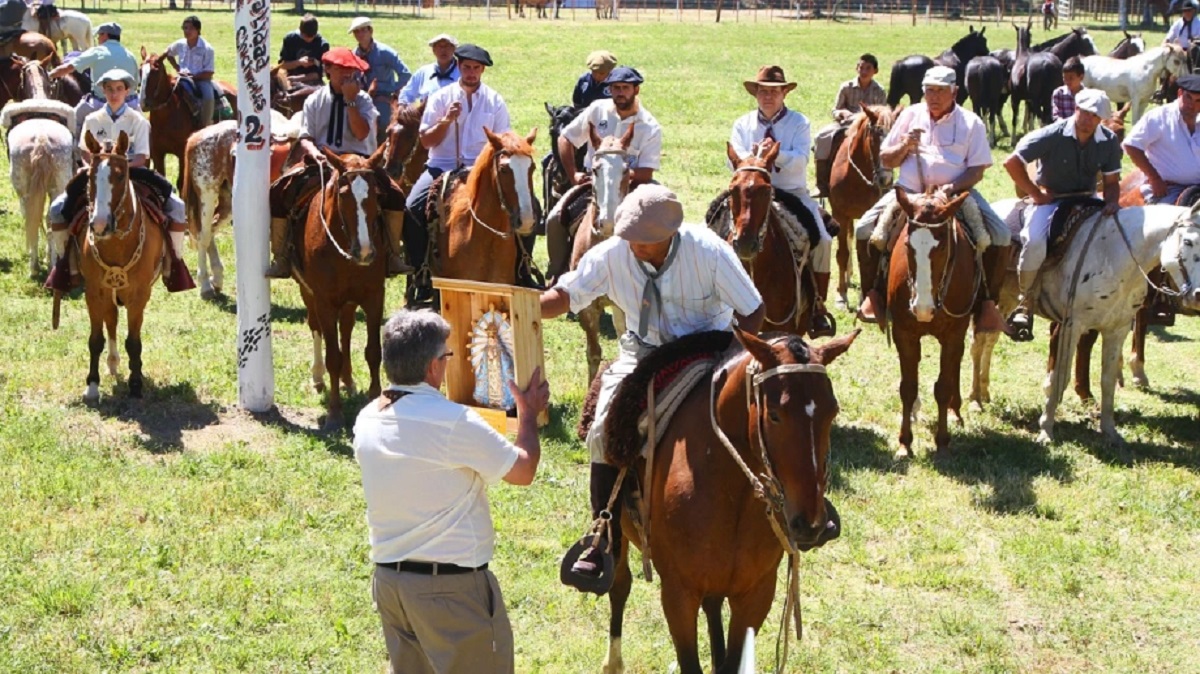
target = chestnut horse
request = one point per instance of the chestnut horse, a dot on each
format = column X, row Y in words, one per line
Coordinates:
column 338, row 269
column 405, row 156
column 171, row 121
column 32, row 46
column 759, row 239
column 857, row 180
column 120, row 258
column 934, row 281
column 770, row 408
column 610, row 184
column 489, row 211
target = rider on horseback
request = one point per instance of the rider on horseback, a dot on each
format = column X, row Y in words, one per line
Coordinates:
column 851, row 96
column 301, row 53
column 339, row 117
column 452, row 130
column 790, row 129
column 108, row 54
column 106, row 125
column 670, row 282
column 936, row 144
column 196, row 62
column 1071, row 152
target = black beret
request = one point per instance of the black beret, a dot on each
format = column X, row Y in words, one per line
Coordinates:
column 624, row 74
column 1189, row 83
column 471, row 52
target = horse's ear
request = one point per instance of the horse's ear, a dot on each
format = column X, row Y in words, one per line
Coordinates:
column 122, row 144
column 144, row 55
column 594, row 138
column 772, row 155
column 90, row 141
column 377, row 158
column 732, row 154
column 48, row 58
column 497, row 144
column 757, row 348
column 627, row 139
column 335, row 160
column 903, row 200
column 532, row 136
column 981, row 30
column 954, row 204
column 549, row 109
column 829, row 351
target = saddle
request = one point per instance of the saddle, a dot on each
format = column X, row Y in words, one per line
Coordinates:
column 825, row 166
column 719, row 219
column 891, row 222
column 1068, row 216
column 561, row 225
column 221, row 108
column 675, row 369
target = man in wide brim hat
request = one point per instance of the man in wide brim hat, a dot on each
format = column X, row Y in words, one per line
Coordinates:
column 768, row 76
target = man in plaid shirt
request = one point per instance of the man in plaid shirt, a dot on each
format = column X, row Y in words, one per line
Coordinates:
column 1062, row 102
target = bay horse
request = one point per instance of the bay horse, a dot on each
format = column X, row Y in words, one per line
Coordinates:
column 171, row 121
column 934, row 283
column 339, row 269
column 771, row 406
column 120, row 258
column 1130, row 45
column 41, row 148
column 32, row 46
column 611, row 174
column 857, row 180
column 907, row 73
column 489, row 211
column 759, row 239
column 405, row 156
column 1099, row 285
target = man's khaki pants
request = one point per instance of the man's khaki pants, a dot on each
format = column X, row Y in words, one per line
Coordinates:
column 445, row 624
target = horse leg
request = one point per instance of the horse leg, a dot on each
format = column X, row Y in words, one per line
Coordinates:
column 946, row 389
column 618, row 596
column 1056, row 382
column 589, row 320
column 981, row 368
column 1114, row 340
column 333, row 363
column 843, row 261
column 748, row 611
column 716, row 629
column 1083, row 359
column 110, row 325
column 618, row 320
column 346, row 329
column 33, row 208
column 680, row 607
column 909, row 351
column 1137, row 357
column 374, row 352
column 204, row 243
column 318, row 361
column 134, row 313
column 95, row 347
column 223, row 216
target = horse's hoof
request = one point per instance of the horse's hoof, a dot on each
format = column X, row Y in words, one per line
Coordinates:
column 841, row 303
column 135, row 389
column 975, row 406
column 332, row 423
column 319, row 387
column 903, row 454
column 208, row 294
column 1141, row 382
column 91, row 395
column 1045, row 438
column 348, row 388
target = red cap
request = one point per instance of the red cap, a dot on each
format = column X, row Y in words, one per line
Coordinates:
column 341, row 56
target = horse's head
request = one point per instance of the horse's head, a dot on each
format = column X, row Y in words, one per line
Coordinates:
column 750, row 196
column 1116, row 122
column 351, row 199
column 1024, row 36
column 403, row 137
column 865, row 139
column 560, row 116
column 1174, row 62
column 511, row 160
column 110, row 194
column 34, row 81
column 1180, row 258
column 790, row 408
column 610, row 175
column 157, row 83
column 930, row 228
column 1087, row 46
column 971, row 45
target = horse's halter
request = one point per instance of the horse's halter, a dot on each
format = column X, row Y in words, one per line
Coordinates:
column 514, row 213
column 880, row 178
column 626, row 173
column 939, row 302
column 766, row 218
column 345, row 177
column 150, row 100
column 127, row 205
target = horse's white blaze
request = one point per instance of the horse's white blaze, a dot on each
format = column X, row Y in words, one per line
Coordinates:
column 142, row 80
column 922, row 243
column 521, row 166
column 1139, row 44
column 101, row 207
column 610, row 169
column 810, row 408
column 358, row 187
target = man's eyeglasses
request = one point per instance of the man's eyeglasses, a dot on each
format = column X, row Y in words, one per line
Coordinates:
column 447, row 355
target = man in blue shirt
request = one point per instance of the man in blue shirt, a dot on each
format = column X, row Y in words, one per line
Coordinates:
column 386, row 73
column 591, row 86
column 108, row 54
column 429, row 78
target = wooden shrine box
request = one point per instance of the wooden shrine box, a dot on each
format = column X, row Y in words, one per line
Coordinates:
column 462, row 304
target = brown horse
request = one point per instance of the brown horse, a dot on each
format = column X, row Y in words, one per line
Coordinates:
column 405, row 156
column 769, row 408
column 338, row 270
column 489, row 211
column 758, row 237
column 171, row 121
column 14, row 88
column 120, row 258
column 286, row 97
column 31, row 46
column 610, row 183
column 933, row 284
column 857, row 181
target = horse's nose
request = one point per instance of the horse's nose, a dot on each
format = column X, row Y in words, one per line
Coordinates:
column 1194, row 298
column 808, row 535
column 365, row 254
column 745, row 246
column 923, row 314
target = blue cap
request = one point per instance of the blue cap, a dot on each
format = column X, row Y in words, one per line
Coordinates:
column 111, row 29
column 624, row 74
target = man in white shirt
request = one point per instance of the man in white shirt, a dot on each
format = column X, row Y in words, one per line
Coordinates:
column 1185, row 27
column 426, row 464
column 773, row 121
column 1165, row 145
column 935, row 144
column 670, row 281
column 106, row 125
column 196, row 62
column 612, row 117
column 433, row 76
column 452, row 130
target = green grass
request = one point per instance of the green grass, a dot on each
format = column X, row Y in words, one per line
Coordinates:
column 176, row 533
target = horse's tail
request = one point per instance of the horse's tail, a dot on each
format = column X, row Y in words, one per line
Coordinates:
column 42, row 166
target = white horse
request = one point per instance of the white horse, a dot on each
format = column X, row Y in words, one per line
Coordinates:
column 1100, row 286
column 1136, row 78
column 40, row 158
column 71, row 26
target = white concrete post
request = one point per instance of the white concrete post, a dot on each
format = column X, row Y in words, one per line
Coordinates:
column 251, row 210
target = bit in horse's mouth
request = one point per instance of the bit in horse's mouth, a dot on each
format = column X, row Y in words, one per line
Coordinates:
column 833, row 528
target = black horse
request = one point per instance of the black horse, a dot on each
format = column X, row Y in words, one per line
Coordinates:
column 1035, row 76
column 1077, row 42
column 908, row 72
column 1130, row 45
column 987, row 85
column 555, row 181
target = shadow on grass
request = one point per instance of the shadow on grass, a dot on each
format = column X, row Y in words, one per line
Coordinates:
column 162, row 414
column 1160, row 334
column 1007, row 464
column 855, row 448
column 283, row 314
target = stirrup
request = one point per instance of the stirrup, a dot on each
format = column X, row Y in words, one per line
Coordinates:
column 598, row 585
column 1160, row 313
column 279, row 269
column 823, row 325
column 1020, row 324
column 398, row 267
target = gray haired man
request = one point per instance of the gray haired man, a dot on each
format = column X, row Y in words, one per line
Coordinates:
column 426, row 463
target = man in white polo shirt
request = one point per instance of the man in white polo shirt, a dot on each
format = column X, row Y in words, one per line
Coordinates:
column 426, row 464
column 612, row 117
column 1165, row 145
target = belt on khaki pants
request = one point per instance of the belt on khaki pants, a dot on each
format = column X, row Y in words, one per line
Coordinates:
column 430, row 568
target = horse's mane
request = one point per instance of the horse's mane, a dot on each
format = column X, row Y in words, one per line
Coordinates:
column 475, row 179
column 885, row 115
column 409, row 116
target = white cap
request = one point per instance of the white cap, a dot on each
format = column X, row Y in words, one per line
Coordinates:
column 1094, row 101
column 443, row 36
column 940, row 76
column 359, row 22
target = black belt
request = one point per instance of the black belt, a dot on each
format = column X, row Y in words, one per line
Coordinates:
column 430, row 568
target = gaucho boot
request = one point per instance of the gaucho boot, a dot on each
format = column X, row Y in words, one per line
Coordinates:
column 281, row 264
column 1020, row 321
column 179, row 279
column 60, row 274
column 823, row 323
column 395, row 228
column 590, row 564
column 995, row 266
column 869, row 259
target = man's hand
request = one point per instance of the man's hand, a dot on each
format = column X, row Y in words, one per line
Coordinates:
column 305, row 61
column 580, row 178
column 1111, row 208
column 912, row 142
column 350, row 88
column 1158, row 186
column 452, row 113
column 535, row 397
column 1041, row 197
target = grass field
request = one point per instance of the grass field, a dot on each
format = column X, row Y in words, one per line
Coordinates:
column 176, row 533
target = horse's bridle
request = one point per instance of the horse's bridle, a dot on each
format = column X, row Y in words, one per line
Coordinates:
column 343, row 177
column 878, row 181
column 147, row 102
column 1186, row 286
column 762, row 226
column 939, row 302
column 130, row 198
column 514, row 215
